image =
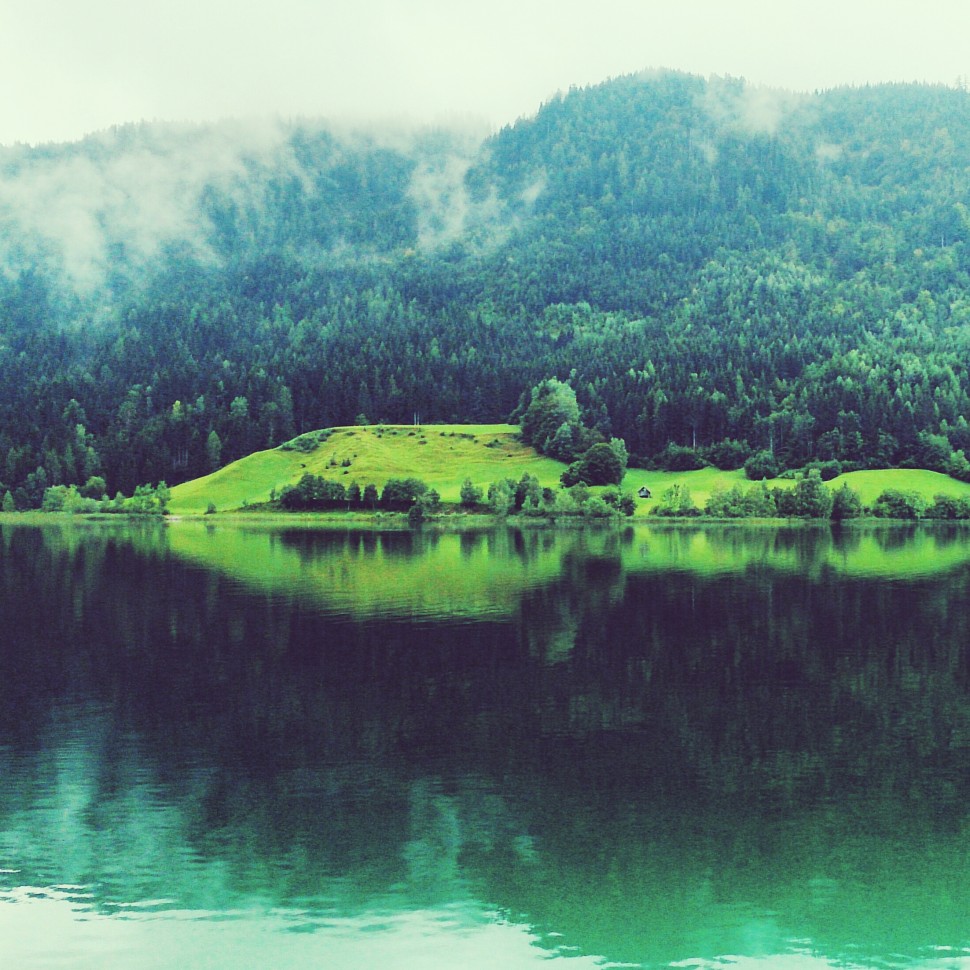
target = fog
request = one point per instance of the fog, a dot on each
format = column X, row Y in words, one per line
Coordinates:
column 127, row 192
column 70, row 68
column 118, row 200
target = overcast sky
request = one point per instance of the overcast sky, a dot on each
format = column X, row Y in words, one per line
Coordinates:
column 68, row 67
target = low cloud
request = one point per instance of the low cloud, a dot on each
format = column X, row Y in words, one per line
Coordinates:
column 135, row 190
column 119, row 199
column 753, row 110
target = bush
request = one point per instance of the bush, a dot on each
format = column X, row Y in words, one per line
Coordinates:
column 601, row 464
column 948, row 507
column 528, row 488
column 846, row 503
column 534, row 507
column 728, row 454
column 67, row 498
column 676, row 501
column 470, row 495
column 759, row 502
column 827, row 469
column 896, row 504
column 305, row 443
column 146, row 500
column 313, row 492
column 761, row 464
column 623, row 502
column 784, row 499
column 94, row 487
column 736, row 502
column 812, row 500
column 680, row 458
column 726, row 503
column 402, row 493
column 501, row 497
column 596, row 508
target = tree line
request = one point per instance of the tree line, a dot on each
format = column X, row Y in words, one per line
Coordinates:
column 502, row 497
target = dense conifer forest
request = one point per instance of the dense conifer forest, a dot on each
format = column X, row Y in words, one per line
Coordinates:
column 718, row 271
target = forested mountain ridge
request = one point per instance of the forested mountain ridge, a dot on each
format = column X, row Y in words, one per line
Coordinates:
column 702, row 260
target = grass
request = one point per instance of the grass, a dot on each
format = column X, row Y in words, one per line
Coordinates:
column 441, row 455
column 871, row 484
column 444, row 455
column 701, row 483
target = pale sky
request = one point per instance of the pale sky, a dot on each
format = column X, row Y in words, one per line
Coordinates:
column 69, row 67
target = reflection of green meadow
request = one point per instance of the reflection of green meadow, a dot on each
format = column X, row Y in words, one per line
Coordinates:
column 368, row 573
column 869, row 549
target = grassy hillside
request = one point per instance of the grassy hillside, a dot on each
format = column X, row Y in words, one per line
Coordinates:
column 871, row 484
column 441, row 455
column 444, row 455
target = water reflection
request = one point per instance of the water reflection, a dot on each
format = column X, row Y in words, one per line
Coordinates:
column 653, row 747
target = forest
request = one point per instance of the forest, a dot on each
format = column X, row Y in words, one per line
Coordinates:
column 721, row 273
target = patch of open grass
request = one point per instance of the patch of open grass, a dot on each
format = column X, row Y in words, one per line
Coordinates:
column 871, row 484
column 441, row 455
column 248, row 480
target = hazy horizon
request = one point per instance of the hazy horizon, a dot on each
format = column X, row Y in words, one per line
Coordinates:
column 72, row 71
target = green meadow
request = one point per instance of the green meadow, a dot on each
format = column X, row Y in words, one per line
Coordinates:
column 444, row 455
column 441, row 455
column 871, row 484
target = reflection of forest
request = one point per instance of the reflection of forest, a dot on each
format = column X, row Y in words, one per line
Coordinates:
column 120, row 819
column 631, row 747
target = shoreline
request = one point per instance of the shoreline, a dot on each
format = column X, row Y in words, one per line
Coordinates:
column 448, row 523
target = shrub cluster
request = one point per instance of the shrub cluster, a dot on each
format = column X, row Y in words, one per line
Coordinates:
column 897, row 504
column 809, row 499
column 90, row 498
column 313, row 492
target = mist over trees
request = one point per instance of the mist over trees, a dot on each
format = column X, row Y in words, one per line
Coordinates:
column 716, row 272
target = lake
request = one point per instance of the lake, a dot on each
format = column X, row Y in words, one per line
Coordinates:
column 647, row 746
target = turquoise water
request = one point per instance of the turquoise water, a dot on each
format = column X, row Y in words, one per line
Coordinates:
column 654, row 748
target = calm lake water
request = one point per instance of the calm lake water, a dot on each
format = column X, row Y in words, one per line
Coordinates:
column 690, row 747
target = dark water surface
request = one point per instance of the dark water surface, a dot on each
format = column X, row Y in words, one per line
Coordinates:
column 234, row 748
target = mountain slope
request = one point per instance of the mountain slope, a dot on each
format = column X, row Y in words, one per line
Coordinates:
column 700, row 259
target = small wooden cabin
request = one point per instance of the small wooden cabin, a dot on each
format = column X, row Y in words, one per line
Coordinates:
column 644, row 492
